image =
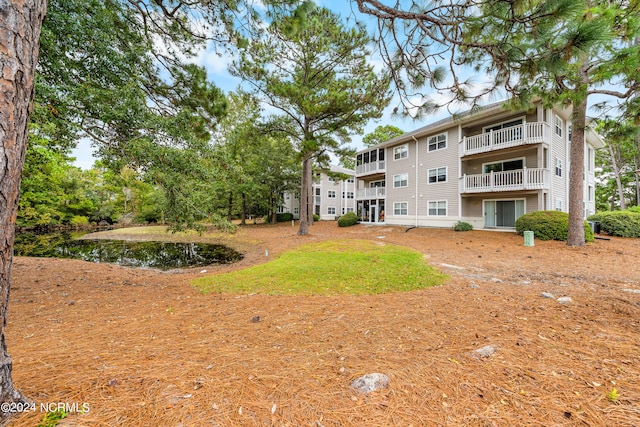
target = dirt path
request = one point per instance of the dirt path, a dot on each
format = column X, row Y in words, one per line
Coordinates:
column 144, row 348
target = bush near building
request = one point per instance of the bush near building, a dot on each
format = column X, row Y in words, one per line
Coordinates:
column 462, row 226
column 284, row 217
column 348, row 220
column 549, row 225
column 619, row 223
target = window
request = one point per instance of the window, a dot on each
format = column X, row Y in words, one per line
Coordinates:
column 558, row 205
column 351, row 179
column 401, row 180
column 296, row 211
column 350, row 210
column 558, row 125
column 401, row 152
column 347, row 195
column 331, row 179
column 504, row 125
column 317, row 191
column 592, row 193
column 590, row 159
column 558, row 167
column 437, row 142
column 437, row 175
column 401, row 208
column 505, row 165
column 331, row 210
column 438, row 208
column 331, row 194
column 287, row 197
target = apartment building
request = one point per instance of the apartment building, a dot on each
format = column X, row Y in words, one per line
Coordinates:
column 487, row 167
column 332, row 196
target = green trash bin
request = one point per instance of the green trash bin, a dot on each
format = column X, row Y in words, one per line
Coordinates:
column 528, row 238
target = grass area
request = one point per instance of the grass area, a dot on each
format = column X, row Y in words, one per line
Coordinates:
column 330, row 268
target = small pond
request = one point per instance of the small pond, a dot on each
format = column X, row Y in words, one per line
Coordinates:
column 160, row 255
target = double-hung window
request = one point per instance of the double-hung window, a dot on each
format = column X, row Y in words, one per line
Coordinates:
column 437, row 208
column 401, row 152
column 558, row 124
column 437, row 175
column 401, row 208
column 558, row 166
column 401, row 180
column 437, row 142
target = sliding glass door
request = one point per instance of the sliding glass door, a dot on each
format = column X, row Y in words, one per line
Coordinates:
column 502, row 213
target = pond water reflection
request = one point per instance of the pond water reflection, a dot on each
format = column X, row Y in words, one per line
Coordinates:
column 160, row 255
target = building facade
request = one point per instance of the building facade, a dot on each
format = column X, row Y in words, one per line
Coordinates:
column 487, row 168
column 332, row 196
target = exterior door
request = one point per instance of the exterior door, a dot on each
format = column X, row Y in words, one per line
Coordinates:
column 373, row 217
column 502, row 213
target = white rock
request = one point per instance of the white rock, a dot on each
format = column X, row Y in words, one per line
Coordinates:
column 565, row 300
column 485, row 351
column 370, row 382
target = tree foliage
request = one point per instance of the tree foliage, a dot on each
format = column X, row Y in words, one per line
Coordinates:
column 618, row 163
column 381, row 134
column 319, row 76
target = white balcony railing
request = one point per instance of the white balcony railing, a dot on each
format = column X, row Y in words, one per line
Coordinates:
column 528, row 133
column 516, row 180
column 371, row 168
column 370, row 193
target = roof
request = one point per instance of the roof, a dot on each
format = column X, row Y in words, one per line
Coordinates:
column 478, row 112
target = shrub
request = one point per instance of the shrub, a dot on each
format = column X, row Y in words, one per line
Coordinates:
column 79, row 220
column 549, row 225
column 284, row 217
column 348, row 219
column 316, row 217
column 462, row 226
column 619, row 223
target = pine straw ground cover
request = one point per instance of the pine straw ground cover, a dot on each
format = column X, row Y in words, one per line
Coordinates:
column 144, row 348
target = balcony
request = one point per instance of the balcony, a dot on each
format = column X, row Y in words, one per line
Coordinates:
column 370, row 193
column 371, row 168
column 515, row 180
column 515, row 136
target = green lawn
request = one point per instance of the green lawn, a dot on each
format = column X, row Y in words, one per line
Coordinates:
column 331, row 268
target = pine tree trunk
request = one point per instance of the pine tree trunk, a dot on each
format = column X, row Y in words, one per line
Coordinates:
column 637, row 168
column 20, row 24
column 305, row 195
column 616, row 174
column 576, row 173
column 230, row 206
column 243, row 218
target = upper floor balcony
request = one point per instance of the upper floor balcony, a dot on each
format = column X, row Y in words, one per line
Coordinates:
column 371, row 162
column 370, row 193
column 378, row 166
column 513, row 180
column 513, row 136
